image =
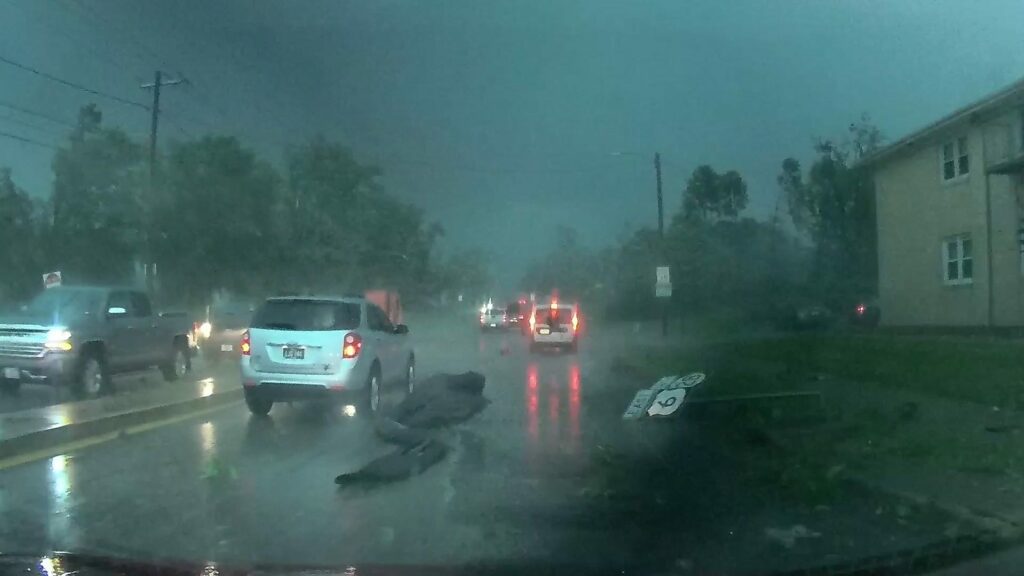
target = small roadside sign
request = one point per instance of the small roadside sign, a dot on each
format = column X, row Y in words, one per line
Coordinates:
column 52, row 279
column 662, row 290
column 663, row 275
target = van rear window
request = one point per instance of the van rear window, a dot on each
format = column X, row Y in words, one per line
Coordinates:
column 554, row 316
column 308, row 315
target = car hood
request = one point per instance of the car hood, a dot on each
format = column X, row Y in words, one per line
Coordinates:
column 31, row 321
column 68, row 563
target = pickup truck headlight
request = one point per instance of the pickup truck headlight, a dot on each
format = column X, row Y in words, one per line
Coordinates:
column 58, row 339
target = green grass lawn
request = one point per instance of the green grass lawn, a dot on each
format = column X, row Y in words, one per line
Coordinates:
column 977, row 370
column 987, row 372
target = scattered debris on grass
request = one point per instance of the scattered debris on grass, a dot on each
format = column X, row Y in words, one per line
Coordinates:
column 788, row 537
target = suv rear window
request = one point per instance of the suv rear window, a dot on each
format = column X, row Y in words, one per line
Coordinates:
column 307, row 315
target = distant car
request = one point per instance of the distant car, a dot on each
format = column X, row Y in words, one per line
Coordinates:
column 554, row 326
column 493, row 319
column 866, row 313
column 221, row 331
column 323, row 348
column 515, row 312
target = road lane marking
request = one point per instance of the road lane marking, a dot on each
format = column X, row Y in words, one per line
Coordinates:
column 83, row 443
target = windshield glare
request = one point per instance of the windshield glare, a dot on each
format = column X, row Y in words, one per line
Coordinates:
column 637, row 287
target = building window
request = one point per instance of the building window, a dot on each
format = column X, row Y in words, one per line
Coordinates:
column 955, row 159
column 958, row 260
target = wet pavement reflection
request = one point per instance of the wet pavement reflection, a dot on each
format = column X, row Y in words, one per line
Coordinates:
column 519, row 482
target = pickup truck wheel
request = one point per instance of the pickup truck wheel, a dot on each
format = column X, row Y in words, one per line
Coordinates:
column 259, row 405
column 178, row 365
column 92, row 379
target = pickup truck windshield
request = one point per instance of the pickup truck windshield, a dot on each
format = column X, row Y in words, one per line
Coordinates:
column 65, row 301
column 307, row 315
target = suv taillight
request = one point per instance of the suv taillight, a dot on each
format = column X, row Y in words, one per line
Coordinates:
column 353, row 344
column 575, row 322
column 246, row 345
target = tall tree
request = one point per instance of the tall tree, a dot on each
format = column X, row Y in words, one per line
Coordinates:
column 834, row 204
column 710, row 195
column 19, row 238
column 98, row 177
column 215, row 220
column 329, row 214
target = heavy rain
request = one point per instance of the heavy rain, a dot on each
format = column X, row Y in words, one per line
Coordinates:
column 475, row 287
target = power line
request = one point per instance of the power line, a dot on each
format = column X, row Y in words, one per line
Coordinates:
column 42, row 115
column 27, row 140
column 79, row 43
column 20, row 122
column 71, row 84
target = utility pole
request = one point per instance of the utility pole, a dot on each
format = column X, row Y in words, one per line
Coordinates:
column 154, row 124
column 661, row 237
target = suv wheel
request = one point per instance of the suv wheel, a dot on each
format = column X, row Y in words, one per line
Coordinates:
column 259, row 405
column 410, row 376
column 371, row 396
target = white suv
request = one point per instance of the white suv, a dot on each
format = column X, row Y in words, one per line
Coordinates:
column 318, row 347
column 554, row 325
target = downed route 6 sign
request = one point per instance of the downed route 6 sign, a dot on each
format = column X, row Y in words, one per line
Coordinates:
column 663, row 398
column 667, row 402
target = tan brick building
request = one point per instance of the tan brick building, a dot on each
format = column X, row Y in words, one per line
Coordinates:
column 950, row 207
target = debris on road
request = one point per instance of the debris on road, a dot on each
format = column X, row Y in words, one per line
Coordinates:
column 398, row 465
column 438, row 401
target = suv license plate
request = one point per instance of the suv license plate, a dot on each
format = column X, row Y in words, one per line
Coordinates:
column 294, row 353
column 544, row 331
column 12, row 373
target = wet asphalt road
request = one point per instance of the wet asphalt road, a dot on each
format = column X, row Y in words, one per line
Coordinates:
column 547, row 473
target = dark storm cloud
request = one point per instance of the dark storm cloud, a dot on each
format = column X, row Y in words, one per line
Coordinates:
column 499, row 118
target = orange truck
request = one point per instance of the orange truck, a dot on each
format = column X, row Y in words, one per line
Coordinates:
column 389, row 302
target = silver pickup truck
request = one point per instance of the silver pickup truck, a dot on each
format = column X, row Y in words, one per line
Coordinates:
column 78, row 336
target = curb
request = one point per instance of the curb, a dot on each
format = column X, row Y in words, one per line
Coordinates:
column 52, row 438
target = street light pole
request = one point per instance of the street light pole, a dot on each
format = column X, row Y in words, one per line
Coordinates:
column 661, row 237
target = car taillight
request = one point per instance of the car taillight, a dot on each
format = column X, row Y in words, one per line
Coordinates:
column 533, row 321
column 575, row 322
column 353, row 344
column 246, row 346
column 861, row 309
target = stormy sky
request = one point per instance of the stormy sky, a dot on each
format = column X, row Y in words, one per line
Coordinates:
column 501, row 119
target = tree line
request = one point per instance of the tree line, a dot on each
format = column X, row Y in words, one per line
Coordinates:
column 219, row 218
column 720, row 259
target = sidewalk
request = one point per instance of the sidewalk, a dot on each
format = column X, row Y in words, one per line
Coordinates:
column 44, row 428
column 964, row 457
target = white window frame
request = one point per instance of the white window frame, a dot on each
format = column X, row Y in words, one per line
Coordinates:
column 960, row 259
column 958, row 152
